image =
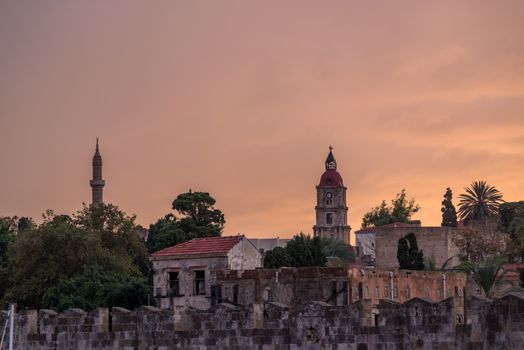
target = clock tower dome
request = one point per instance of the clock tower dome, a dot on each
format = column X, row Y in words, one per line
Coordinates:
column 331, row 209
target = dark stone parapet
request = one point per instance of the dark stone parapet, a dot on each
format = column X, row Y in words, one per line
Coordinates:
column 416, row 324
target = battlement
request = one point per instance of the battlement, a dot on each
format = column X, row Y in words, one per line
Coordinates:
column 489, row 325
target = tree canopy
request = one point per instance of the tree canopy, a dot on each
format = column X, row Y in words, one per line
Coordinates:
column 449, row 214
column 401, row 210
column 480, row 201
column 63, row 248
column 512, row 223
column 408, row 255
column 197, row 218
column 300, row 251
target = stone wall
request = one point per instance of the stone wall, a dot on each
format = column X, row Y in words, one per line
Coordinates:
column 416, row 324
column 434, row 241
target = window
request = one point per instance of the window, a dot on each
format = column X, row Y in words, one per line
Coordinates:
column 386, row 292
column 408, row 293
column 235, row 294
column 439, row 294
column 366, row 292
column 200, row 282
column 426, row 291
column 329, row 218
column 174, row 286
column 395, row 293
column 449, row 292
column 377, row 292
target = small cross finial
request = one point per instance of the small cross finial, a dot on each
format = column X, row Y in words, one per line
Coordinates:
column 331, row 148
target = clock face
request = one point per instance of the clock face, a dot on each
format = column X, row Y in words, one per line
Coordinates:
column 329, row 195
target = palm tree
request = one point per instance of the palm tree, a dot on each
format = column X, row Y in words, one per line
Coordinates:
column 480, row 201
column 487, row 274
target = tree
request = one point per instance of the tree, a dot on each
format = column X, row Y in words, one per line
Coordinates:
column 487, row 274
column 480, row 201
column 115, row 230
column 480, row 240
column 449, row 215
column 333, row 248
column 8, row 230
column 200, row 218
column 408, row 255
column 95, row 287
column 401, row 210
column 277, row 257
column 305, row 251
column 61, row 248
column 166, row 232
column 512, row 223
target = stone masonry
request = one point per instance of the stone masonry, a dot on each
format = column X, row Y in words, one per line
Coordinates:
column 416, row 324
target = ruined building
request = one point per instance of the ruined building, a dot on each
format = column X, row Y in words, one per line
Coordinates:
column 331, row 209
column 97, row 183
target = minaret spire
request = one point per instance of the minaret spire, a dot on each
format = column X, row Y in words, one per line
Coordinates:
column 97, row 183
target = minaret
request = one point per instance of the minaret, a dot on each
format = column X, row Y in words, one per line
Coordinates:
column 331, row 209
column 97, row 184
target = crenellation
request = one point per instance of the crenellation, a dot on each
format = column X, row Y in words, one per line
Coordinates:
column 317, row 324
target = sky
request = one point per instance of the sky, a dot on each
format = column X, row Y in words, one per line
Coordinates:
column 242, row 99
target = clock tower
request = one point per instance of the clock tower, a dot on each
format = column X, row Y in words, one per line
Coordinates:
column 331, row 208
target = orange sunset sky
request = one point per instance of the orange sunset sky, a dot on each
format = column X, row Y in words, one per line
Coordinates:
column 243, row 98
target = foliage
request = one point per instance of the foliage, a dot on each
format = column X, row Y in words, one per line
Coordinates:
column 449, row 214
column 8, row 230
column 200, row 219
column 62, row 248
column 401, row 210
column 337, row 249
column 408, row 255
column 164, row 233
column 487, row 274
column 306, row 251
column 95, row 287
column 481, row 240
column 512, row 223
column 479, row 202
column 116, row 231
column 431, row 265
column 277, row 257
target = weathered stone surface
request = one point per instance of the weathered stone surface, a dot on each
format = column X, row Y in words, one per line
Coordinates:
column 416, row 324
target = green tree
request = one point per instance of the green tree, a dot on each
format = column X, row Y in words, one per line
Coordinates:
column 408, row 255
column 401, row 210
column 449, row 214
column 333, row 248
column 512, row 223
column 487, row 274
column 305, row 251
column 8, row 230
column 277, row 257
column 115, row 230
column 166, row 232
column 62, row 248
column 200, row 218
column 95, row 287
column 479, row 202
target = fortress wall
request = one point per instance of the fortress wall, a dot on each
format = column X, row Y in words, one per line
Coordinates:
column 416, row 324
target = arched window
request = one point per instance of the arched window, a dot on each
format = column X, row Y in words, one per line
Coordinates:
column 426, row 292
column 395, row 293
column 366, row 292
column 408, row 293
column 386, row 293
column 377, row 292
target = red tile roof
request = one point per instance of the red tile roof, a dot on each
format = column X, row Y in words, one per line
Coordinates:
column 199, row 246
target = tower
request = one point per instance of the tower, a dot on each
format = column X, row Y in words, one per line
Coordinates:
column 97, row 184
column 331, row 209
